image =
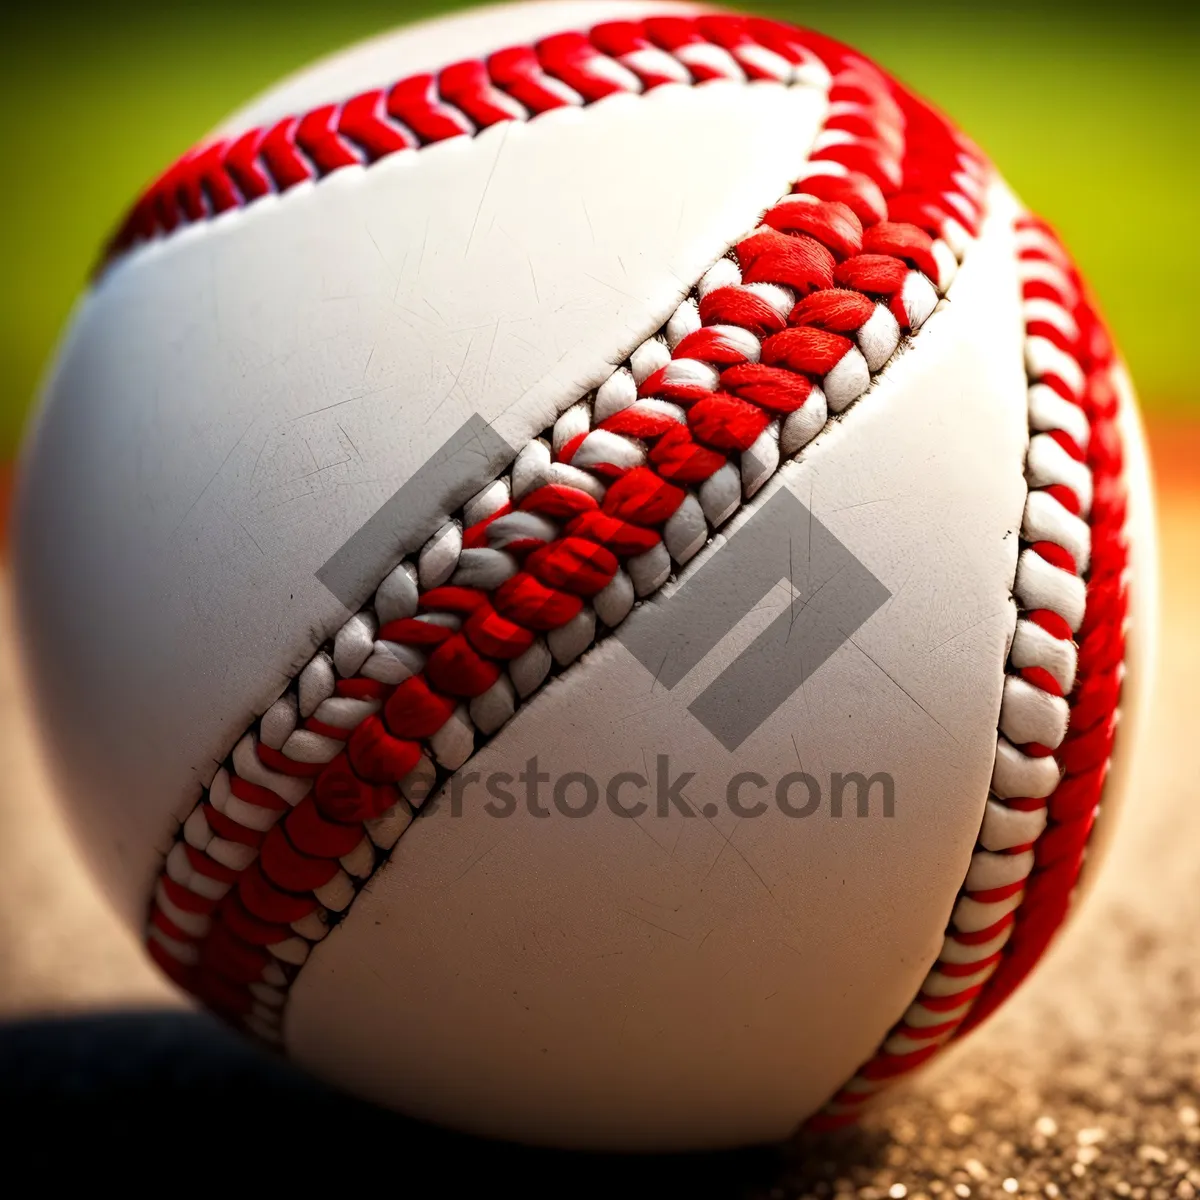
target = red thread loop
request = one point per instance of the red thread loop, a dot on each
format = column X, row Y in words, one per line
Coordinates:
column 727, row 423
column 362, row 121
column 679, row 458
column 835, row 309
column 340, row 795
column 831, row 222
column 525, row 600
column 415, row 710
column 808, row 349
column 573, row 564
column 798, row 261
column 518, row 72
column 641, row 496
column 875, row 274
column 415, row 103
column 736, row 306
column 457, row 669
column 377, row 756
column 770, row 388
column 317, row 136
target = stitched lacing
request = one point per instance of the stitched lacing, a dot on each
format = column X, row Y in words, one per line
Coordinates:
column 629, row 484
column 518, row 83
column 1064, row 672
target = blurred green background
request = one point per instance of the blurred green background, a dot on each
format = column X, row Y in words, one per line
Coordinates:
column 1089, row 109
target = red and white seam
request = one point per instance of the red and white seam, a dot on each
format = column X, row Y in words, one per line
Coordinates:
column 626, row 487
column 514, row 84
column 1061, row 690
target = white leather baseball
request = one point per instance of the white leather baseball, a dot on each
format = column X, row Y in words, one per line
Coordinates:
column 236, row 398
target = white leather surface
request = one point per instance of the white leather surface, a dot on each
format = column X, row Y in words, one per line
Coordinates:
column 675, row 981
column 230, row 405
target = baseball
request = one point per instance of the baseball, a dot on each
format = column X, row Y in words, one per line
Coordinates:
column 586, row 571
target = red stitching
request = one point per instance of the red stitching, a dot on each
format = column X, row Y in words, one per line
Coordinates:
column 862, row 231
column 512, row 84
column 300, row 854
column 1084, row 754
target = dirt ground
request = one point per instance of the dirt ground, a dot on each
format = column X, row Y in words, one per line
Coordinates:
column 1086, row 1084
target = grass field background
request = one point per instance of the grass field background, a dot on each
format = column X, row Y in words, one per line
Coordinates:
column 1090, row 111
